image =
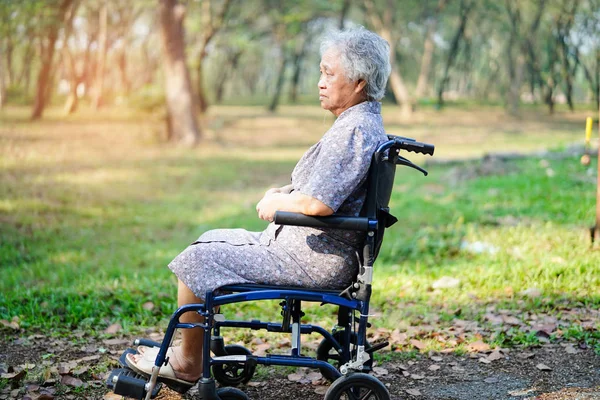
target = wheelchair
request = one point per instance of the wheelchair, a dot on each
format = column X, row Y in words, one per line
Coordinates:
column 344, row 356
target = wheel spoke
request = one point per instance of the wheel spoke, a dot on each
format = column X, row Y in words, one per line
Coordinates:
column 351, row 395
column 367, row 395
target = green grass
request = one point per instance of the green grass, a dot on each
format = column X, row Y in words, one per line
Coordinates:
column 93, row 208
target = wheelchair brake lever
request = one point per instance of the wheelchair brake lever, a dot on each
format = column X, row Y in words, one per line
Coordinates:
column 403, row 161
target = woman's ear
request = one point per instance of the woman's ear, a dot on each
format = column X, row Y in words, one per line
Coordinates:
column 360, row 86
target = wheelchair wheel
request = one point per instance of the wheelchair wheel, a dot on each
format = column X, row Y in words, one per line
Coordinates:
column 230, row 393
column 326, row 352
column 234, row 373
column 357, row 386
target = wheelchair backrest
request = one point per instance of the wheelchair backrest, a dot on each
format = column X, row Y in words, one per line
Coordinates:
column 380, row 182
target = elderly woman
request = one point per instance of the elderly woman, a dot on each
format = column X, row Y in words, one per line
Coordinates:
column 329, row 178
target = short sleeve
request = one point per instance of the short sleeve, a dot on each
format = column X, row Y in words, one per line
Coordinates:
column 340, row 167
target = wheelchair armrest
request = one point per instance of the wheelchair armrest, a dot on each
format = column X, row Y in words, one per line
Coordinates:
column 332, row 221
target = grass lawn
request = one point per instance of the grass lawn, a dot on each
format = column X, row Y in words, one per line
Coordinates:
column 93, row 207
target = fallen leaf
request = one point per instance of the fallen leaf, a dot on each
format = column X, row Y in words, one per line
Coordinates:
column 418, row 344
column 256, row 384
column 114, row 328
column 378, row 371
column 397, row 337
column 478, row 346
column 511, row 320
column 531, row 292
column 417, row 377
column 115, row 342
column 484, row 360
column 9, row 324
column 495, row 355
column 434, row 367
column 261, row 349
column 149, row 306
column 491, row 380
column 543, row 367
column 112, row 396
column 314, row 376
column 14, row 377
column 68, row 380
column 413, row 392
column 446, row 282
column 321, row 390
column 436, row 358
column 80, row 370
column 571, row 350
column 295, row 377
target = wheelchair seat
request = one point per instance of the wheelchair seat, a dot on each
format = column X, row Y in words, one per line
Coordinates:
column 344, row 355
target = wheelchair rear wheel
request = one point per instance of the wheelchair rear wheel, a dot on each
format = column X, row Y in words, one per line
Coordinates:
column 230, row 393
column 234, row 373
column 357, row 386
column 326, row 352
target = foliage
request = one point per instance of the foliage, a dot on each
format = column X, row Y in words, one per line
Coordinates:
column 91, row 216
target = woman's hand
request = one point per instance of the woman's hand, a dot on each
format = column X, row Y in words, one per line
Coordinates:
column 294, row 202
column 267, row 207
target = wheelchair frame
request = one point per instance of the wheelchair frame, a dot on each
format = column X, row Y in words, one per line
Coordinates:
column 355, row 298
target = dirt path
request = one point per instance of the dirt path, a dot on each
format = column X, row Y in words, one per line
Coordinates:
column 75, row 368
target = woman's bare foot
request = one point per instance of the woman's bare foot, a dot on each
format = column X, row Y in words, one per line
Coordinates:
column 185, row 368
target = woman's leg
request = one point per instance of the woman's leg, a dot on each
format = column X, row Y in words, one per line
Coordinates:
column 186, row 359
column 188, row 363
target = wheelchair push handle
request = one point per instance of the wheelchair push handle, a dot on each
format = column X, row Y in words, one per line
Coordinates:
column 414, row 146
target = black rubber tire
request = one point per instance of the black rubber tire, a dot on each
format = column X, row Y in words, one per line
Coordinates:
column 230, row 393
column 357, row 386
column 326, row 352
column 235, row 373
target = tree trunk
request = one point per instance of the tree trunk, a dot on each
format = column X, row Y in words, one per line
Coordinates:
column 384, row 25
column 428, row 48
column 297, row 64
column 47, row 57
column 465, row 9
column 211, row 25
column 101, row 59
column 200, row 91
column 396, row 82
column 280, row 80
column 8, row 73
column 181, row 119
column 225, row 74
column 122, row 61
column 68, row 62
column 343, row 13
column 2, row 85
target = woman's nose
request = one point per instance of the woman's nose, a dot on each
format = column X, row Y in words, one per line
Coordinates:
column 321, row 83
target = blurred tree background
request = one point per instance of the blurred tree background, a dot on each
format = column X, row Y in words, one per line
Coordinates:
column 180, row 57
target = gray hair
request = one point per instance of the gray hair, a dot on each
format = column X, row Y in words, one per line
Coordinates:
column 364, row 55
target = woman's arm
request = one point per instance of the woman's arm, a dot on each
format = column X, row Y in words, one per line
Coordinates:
column 294, row 202
column 284, row 189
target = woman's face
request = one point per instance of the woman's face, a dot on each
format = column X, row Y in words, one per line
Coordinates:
column 336, row 92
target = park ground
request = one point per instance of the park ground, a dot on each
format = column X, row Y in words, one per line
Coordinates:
column 487, row 288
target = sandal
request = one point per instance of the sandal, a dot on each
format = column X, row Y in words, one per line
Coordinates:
column 166, row 375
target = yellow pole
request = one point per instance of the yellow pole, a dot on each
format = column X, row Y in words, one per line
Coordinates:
column 597, row 226
column 585, row 158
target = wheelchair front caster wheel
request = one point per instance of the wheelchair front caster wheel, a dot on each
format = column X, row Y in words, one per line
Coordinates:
column 326, row 352
column 230, row 393
column 357, row 386
column 234, row 373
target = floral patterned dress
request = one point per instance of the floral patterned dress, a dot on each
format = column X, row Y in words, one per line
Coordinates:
column 334, row 171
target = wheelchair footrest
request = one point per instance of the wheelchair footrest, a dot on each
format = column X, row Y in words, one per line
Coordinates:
column 128, row 383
